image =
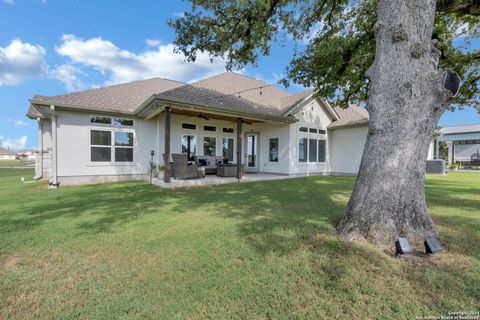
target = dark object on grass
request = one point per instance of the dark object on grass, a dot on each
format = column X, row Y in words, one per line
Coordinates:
column 432, row 246
column 402, row 246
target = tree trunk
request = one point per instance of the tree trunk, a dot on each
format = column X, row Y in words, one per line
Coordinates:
column 407, row 97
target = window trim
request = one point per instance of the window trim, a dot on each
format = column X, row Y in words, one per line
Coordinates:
column 112, row 121
column 324, row 151
column 112, row 146
column 306, row 152
column 233, row 147
column 316, row 150
column 190, row 129
column 195, row 136
column 278, row 150
column 211, row 127
column 215, row 149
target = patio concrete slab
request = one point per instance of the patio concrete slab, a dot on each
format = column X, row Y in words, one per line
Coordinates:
column 213, row 180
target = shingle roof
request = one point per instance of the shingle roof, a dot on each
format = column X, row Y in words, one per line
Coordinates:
column 33, row 112
column 120, row 98
column 469, row 128
column 203, row 96
column 290, row 101
column 351, row 116
column 4, row 151
column 228, row 91
column 245, row 87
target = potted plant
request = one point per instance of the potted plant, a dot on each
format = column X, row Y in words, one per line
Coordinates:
column 153, row 169
column 160, row 171
column 453, row 166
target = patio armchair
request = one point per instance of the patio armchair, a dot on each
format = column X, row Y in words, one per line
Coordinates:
column 182, row 169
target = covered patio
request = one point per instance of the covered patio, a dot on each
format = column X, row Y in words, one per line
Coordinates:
column 241, row 123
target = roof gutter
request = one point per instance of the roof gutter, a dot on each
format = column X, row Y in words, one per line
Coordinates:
column 349, row 125
column 77, row 108
column 39, row 174
column 169, row 100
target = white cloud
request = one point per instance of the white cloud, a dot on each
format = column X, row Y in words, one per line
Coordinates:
column 153, row 42
column 179, row 14
column 20, row 123
column 70, row 76
column 124, row 66
column 20, row 61
column 10, row 2
column 13, row 144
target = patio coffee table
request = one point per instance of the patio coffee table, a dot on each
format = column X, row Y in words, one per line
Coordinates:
column 227, row 170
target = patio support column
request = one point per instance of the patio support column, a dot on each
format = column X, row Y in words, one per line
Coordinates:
column 437, row 152
column 166, row 158
column 239, row 148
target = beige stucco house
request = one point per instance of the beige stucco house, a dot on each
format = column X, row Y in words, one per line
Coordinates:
column 107, row 134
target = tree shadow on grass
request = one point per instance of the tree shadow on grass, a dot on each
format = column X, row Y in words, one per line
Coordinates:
column 273, row 217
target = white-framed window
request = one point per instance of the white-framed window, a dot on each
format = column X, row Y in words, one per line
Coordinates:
column 189, row 126
column 189, row 146
column 113, row 121
column 312, row 150
column 210, row 128
column 273, row 147
column 209, row 146
column 110, row 145
column 311, row 144
column 322, row 150
column 227, row 148
column 302, row 149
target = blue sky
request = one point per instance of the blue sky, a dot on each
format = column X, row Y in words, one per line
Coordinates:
column 51, row 47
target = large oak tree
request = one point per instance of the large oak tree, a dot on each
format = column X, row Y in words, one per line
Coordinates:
column 403, row 57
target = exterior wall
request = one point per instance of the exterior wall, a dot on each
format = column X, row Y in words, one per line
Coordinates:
column 311, row 115
column 343, row 146
column 347, row 148
column 73, row 150
column 282, row 132
column 47, row 165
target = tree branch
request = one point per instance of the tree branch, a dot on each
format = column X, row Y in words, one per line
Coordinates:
column 470, row 7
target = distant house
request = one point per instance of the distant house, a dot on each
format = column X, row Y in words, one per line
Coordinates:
column 28, row 154
column 463, row 142
column 107, row 134
column 6, row 154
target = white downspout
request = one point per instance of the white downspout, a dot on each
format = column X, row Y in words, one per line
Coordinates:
column 54, row 183
column 40, row 151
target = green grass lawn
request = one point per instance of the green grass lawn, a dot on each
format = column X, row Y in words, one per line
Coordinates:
column 263, row 250
column 16, row 163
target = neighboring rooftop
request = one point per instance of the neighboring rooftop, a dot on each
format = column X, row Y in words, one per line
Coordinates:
column 351, row 116
column 467, row 128
column 6, row 152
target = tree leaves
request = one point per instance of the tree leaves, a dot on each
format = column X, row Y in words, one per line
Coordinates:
column 340, row 40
